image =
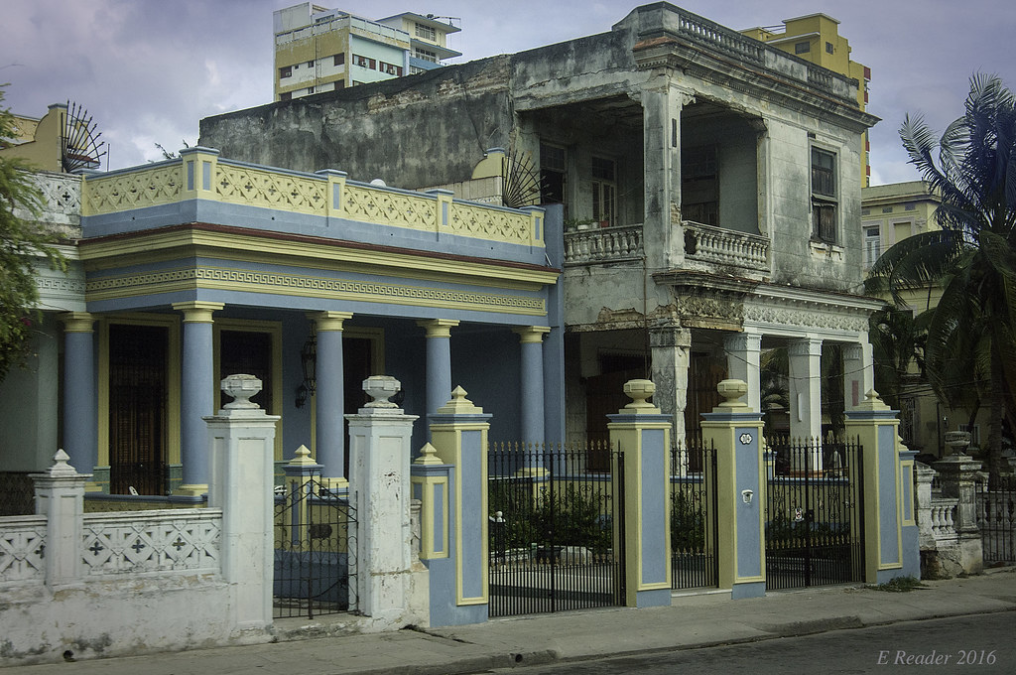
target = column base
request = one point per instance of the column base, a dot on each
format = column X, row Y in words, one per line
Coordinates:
column 191, row 490
column 748, row 590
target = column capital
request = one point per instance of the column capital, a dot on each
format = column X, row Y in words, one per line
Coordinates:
column 807, row 346
column 198, row 311
column 852, row 351
column 77, row 322
column 326, row 321
column 531, row 334
column 669, row 335
column 742, row 341
column 438, row 327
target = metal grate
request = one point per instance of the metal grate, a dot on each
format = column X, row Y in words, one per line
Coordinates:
column 814, row 516
column 315, row 551
column 996, row 518
column 555, row 530
column 694, row 519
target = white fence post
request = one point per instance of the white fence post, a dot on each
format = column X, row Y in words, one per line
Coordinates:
column 242, row 452
column 60, row 496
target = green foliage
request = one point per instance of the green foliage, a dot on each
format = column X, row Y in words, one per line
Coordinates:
column 22, row 241
column 970, row 348
column 899, row 585
column 687, row 524
column 574, row 516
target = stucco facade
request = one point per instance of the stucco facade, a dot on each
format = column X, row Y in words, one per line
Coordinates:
column 721, row 178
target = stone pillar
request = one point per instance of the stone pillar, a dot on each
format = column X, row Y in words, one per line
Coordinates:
column 662, row 104
column 735, row 431
column 642, row 433
column 858, row 373
column 241, row 441
column 805, row 370
column 379, row 454
column 926, row 536
column 532, row 384
column 439, row 361
column 60, row 496
column 744, row 362
column 198, row 393
column 671, row 354
column 330, row 437
column 875, row 427
column 81, row 431
column 956, row 476
column 434, row 486
column 459, row 591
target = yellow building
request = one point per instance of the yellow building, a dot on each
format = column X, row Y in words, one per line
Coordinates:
column 816, row 39
column 889, row 214
column 318, row 49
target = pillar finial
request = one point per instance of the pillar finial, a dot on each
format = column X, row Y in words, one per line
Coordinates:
column 241, row 388
column 732, row 390
column 60, row 466
column 638, row 391
column 428, row 455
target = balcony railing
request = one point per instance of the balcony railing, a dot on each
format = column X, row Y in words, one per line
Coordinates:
column 716, row 245
column 603, row 244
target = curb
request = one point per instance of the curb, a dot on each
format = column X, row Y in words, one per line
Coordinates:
column 472, row 665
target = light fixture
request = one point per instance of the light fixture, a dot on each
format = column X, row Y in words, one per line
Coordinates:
column 308, row 362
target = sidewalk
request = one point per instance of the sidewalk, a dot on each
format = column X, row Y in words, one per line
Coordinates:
column 691, row 621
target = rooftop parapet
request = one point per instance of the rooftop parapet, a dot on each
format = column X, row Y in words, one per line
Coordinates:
column 142, row 198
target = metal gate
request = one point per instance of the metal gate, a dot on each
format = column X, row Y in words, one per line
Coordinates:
column 694, row 519
column 315, row 550
column 814, row 518
column 996, row 518
column 555, row 529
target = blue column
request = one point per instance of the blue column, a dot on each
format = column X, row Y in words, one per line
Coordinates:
column 439, row 361
column 198, row 388
column 79, row 395
column 330, row 450
column 532, row 382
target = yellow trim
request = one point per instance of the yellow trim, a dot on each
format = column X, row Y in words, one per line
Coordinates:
column 78, row 322
column 447, row 442
column 531, row 334
column 438, row 328
column 249, row 281
column 273, row 328
column 162, row 246
column 173, row 365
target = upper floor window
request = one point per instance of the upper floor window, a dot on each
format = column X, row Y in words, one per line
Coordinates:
column 364, row 62
column 425, row 55
column 390, row 69
column 802, row 48
column 426, row 32
column 872, row 244
column 286, row 71
column 340, row 59
column 823, row 195
column 604, row 191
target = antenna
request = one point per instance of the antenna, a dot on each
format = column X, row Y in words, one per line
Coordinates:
column 81, row 146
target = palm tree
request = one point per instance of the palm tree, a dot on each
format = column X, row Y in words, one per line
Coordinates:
column 970, row 353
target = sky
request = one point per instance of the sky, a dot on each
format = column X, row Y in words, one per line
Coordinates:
column 148, row 71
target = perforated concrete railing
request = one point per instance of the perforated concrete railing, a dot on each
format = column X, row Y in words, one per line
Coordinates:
column 160, row 542
column 22, row 550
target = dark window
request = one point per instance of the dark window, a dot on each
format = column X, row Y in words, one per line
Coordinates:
column 604, row 192
column 286, row 71
column 310, row 90
column 823, row 195
column 700, row 185
column 802, row 48
column 340, row 59
column 310, row 64
column 286, row 96
column 552, row 174
column 829, row 47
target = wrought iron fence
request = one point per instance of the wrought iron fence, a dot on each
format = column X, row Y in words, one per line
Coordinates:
column 315, row 550
column 996, row 518
column 555, row 529
column 814, row 521
column 693, row 516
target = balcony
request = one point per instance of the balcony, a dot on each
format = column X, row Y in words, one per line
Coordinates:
column 719, row 246
column 606, row 244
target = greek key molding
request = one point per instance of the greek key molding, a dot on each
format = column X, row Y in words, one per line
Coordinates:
column 291, row 284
